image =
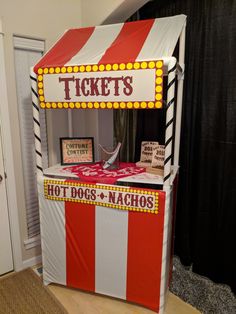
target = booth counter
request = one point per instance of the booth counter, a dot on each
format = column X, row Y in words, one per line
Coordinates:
column 111, row 233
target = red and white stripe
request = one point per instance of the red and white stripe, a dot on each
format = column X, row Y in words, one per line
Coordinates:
column 103, row 250
column 125, row 42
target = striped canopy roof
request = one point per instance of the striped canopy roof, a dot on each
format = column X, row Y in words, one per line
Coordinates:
column 125, row 42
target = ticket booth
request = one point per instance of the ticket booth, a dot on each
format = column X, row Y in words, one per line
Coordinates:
column 99, row 234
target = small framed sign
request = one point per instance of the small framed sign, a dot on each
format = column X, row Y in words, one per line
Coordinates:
column 76, row 150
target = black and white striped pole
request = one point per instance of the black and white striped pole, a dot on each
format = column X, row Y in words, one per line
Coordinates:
column 179, row 97
column 172, row 62
column 36, row 120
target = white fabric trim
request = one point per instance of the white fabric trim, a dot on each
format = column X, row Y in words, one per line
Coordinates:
column 165, row 247
column 162, row 38
column 111, row 251
column 53, row 239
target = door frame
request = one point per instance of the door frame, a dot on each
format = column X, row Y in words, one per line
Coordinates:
column 8, row 163
column 6, row 259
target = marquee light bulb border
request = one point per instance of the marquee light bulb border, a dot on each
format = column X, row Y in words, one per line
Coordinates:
column 142, row 65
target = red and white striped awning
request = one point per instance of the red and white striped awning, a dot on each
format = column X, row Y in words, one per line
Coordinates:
column 108, row 47
column 125, row 42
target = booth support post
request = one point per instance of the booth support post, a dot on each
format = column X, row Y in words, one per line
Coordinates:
column 37, row 136
column 171, row 62
column 167, row 229
column 179, row 97
column 172, row 65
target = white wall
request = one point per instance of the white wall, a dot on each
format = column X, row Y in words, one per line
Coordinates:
column 95, row 12
column 46, row 20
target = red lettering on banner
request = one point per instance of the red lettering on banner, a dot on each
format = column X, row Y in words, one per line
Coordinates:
column 83, row 88
column 142, row 201
column 77, row 87
column 111, row 197
column 127, row 202
column 104, row 86
column 73, row 192
column 100, row 86
column 57, row 190
column 87, row 194
column 93, row 195
column 66, row 80
column 116, row 86
column 81, row 193
column 128, row 89
column 134, row 200
column 64, row 188
column 150, row 202
column 50, row 189
column 94, row 86
column 120, row 199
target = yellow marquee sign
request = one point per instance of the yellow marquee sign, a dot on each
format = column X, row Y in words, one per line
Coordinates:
column 135, row 85
column 132, row 199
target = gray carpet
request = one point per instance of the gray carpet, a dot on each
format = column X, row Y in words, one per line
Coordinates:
column 200, row 292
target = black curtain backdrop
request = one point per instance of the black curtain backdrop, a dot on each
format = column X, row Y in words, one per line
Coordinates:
column 205, row 233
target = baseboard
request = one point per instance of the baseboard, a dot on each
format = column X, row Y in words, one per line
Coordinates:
column 32, row 261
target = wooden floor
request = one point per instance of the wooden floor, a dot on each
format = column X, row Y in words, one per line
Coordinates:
column 77, row 302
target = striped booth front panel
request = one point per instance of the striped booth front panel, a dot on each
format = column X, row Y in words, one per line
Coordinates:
column 103, row 250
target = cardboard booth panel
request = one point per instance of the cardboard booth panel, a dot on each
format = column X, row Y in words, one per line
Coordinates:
column 105, row 250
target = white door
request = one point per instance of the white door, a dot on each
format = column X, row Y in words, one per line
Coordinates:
column 6, row 263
